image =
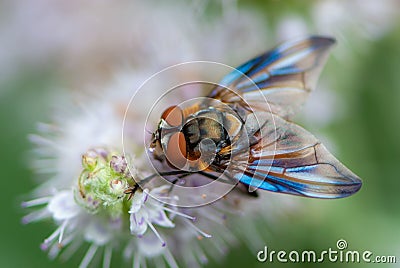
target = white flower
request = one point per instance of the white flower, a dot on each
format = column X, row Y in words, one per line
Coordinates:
column 93, row 211
column 63, row 206
column 77, row 225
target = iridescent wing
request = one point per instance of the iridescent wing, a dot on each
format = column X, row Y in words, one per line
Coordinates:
column 286, row 158
column 283, row 77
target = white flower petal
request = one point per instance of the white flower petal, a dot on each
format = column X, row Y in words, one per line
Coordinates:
column 145, row 195
column 62, row 206
column 159, row 217
column 137, row 202
column 150, row 245
column 138, row 222
column 97, row 233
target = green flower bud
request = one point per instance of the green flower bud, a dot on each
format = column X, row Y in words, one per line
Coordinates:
column 103, row 181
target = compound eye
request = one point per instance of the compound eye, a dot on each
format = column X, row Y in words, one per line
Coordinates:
column 173, row 116
column 176, row 150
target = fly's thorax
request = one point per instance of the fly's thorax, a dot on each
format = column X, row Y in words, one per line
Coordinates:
column 210, row 131
column 203, row 138
column 204, row 127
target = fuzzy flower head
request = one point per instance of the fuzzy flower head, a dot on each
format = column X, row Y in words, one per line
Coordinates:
column 97, row 209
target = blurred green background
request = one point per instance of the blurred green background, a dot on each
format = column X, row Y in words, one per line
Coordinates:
column 366, row 138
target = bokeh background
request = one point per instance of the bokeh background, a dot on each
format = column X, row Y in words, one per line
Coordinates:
column 50, row 48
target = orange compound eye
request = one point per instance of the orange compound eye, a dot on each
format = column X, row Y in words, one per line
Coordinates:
column 173, row 116
column 176, row 150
